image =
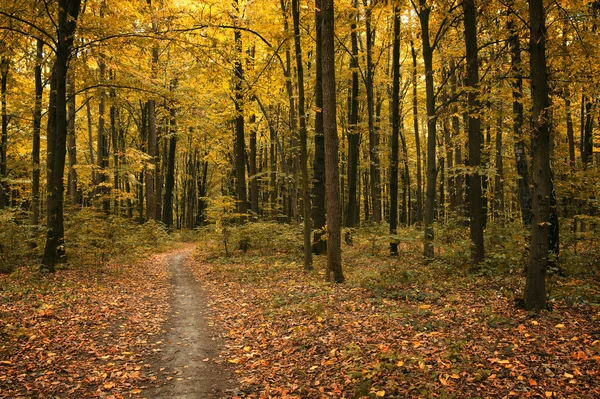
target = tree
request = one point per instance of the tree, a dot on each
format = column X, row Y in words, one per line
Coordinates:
column 4, row 68
column 395, row 130
column 475, row 142
column 303, row 139
column 239, row 142
column 535, row 287
column 334, row 214
column 68, row 11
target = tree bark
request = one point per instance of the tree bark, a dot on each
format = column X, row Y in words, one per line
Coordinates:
column 520, row 154
column 535, row 287
column 423, row 14
column 71, row 141
column 240, row 144
column 170, row 176
column 475, row 204
column 4, row 68
column 37, row 127
column 415, row 108
column 334, row 214
column 303, row 139
column 395, row 131
column 68, row 11
column 319, row 206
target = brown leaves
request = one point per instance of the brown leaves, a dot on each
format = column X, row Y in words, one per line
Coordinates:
column 82, row 333
column 298, row 337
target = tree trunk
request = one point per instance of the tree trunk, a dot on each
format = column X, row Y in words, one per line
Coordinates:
column 395, row 132
column 499, row 181
column 252, row 172
column 535, row 287
column 424, row 13
column 419, row 210
column 374, row 168
column 170, row 176
column 319, row 206
column 303, row 139
column 520, row 155
column 37, row 125
column 475, row 203
column 68, row 11
column 334, row 213
column 71, row 140
column 457, row 196
column 240, row 144
column 4, row 67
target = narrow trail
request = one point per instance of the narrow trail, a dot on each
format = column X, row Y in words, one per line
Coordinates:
column 190, row 345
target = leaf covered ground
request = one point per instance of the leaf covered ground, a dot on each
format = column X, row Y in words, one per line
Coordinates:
column 84, row 332
column 396, row 329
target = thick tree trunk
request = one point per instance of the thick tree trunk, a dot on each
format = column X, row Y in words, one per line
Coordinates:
column 303, row 139
column 535, row 287
column 334, row 213
column 37, row 127
column 475, row 204
column 395, row 132
column 319, row 206
column 68, row 11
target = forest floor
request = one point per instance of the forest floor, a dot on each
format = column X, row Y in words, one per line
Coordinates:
column 198, row 323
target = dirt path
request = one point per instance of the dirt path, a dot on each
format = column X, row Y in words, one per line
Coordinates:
column 191, row 345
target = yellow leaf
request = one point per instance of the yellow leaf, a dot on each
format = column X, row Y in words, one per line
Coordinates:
column 560, row 326
column 136, row 391
column 109, row 385
column 549, row 394
column 567, row 375
column 380, row 394
column 455, row 376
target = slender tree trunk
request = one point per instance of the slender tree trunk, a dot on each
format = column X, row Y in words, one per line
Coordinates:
column 252, row 170
column 588, row 136
column 535, row 287
column 37, row 127
column 499, row 181
column 520, row 155
column 353, row 133
column 319, row 206
column 570, row 130
column 424, row 13
column 170, row 176
column 334, row 213
column 68, row 11
column 374, row 168
column 303, row 139
column 71, row 141
column 419, row 210
column 240, row 144
column 4, row 68
column 457, row 198
column 395, row 131
column 476, row 216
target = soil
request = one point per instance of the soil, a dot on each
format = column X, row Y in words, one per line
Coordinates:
column 189, row 365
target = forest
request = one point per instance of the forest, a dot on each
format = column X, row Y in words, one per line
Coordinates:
column 369, row 198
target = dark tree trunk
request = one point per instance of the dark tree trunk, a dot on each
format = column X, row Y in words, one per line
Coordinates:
column 588, row 135
column 4, row 67
column 102, row 145
column 430, row 194
column 240, row 144
column 252, row 172
column 303, row 139
column 71, row 141
column 319, row 206
column 395, row 132
column 419, row 210
column 535, row 287
column 570, row 130
column 475, row 203
column 170, row 176
column 37, row 127
column 374, row 168
column 499, row 181
column 457, row 195
column 334, row 213
column 353, row 133
column 68, row 11
column 520, row 154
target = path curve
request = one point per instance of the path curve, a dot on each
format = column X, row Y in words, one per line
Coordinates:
column 191, row 344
